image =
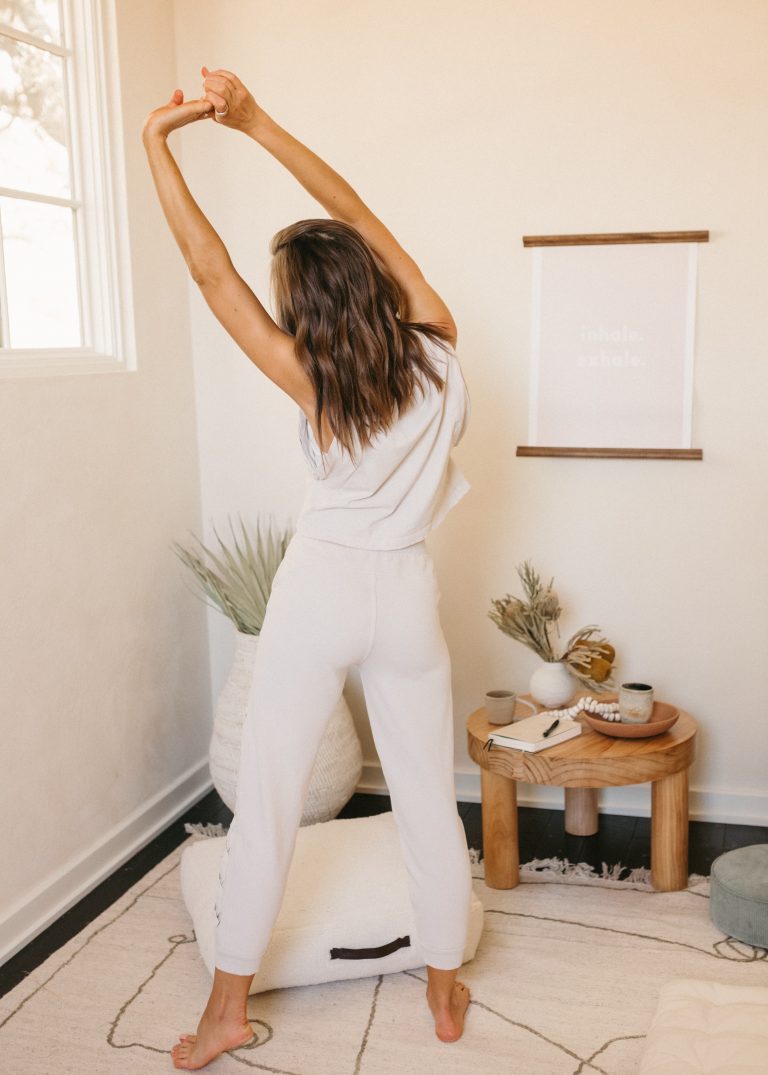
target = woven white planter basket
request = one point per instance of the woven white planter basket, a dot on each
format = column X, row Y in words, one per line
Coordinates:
column 339, row 762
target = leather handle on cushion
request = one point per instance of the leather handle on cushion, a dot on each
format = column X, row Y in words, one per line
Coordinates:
column 371, row 953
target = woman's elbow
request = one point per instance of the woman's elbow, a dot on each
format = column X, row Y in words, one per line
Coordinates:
column 204, row 274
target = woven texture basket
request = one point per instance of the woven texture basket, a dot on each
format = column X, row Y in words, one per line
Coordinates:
column 339, row 762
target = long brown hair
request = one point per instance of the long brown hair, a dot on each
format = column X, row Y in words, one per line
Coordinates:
column 335, row 296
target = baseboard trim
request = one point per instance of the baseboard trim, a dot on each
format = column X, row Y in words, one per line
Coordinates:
column 705, row 804
column 61, row 889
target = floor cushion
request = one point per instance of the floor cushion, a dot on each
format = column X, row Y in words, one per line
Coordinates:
column 739, row 894
column 347, row 889
column 707, row 1028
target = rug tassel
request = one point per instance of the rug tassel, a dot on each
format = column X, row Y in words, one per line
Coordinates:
column 208, row 828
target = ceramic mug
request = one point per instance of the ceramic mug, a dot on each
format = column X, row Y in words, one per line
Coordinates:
column 635, row 703
column 500, row 706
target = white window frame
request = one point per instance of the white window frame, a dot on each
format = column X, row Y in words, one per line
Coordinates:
column 98, row 195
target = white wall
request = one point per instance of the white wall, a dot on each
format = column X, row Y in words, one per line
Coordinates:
column 105, row 690
column 465, row 127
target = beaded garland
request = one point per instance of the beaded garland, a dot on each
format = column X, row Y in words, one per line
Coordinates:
column 606, row 710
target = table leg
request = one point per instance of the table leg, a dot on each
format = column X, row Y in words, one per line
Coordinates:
column 669, row 832
column 501, row 853
column 581, row 811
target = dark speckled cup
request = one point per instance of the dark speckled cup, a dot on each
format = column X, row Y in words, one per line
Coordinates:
column 635, row 703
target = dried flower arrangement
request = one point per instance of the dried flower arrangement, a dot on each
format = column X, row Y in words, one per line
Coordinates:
column 589, row 659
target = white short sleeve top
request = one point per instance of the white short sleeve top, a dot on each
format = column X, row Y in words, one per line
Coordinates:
column 405, row 482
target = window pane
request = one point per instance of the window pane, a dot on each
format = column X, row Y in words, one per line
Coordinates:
column 33, row 138
column 38, row 17
column 40, row 276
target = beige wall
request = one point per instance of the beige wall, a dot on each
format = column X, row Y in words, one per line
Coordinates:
column 466, row 126
column 105, row 691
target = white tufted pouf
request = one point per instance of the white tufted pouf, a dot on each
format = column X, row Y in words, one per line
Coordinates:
column 707, row 1028
column 347, row 889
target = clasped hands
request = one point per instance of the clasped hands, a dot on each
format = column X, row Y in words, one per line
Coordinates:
column 225, row 100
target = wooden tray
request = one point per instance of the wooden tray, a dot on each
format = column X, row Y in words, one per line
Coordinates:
column 663, row 717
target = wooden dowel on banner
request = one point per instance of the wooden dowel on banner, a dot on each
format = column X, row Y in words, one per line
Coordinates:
column 598, row 238
column 611, row 453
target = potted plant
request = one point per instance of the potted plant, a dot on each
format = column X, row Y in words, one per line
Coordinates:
column 239, row 581
column 587, row 658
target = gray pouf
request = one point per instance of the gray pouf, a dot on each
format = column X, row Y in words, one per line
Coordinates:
column 739, row 894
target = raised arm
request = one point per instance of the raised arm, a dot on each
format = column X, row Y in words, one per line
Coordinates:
column 333, row 192
column 226, row 292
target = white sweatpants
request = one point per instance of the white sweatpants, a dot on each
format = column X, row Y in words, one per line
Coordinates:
column 332, row 607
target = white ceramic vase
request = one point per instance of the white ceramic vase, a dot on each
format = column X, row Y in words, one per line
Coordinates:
column 552, row 684
column 339, row 762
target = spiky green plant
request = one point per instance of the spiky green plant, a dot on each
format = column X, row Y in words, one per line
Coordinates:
column 240, row 579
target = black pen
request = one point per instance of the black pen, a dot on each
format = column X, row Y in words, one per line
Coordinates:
column 553, row 725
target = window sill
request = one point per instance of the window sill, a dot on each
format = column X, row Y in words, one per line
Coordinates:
column 50, row 362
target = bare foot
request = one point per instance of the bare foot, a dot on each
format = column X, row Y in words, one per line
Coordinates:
column 214, row 1036
column 449, row 1018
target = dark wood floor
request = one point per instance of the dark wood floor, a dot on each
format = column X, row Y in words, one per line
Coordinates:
column 620, row 839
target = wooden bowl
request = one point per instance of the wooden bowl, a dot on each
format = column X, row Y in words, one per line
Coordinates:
column 663, row 717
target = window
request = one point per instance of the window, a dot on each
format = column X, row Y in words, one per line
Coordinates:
column 65, row 301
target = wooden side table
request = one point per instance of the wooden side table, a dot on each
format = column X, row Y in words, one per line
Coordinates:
column 580, row 766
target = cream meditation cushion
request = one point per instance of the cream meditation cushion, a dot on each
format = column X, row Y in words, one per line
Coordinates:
column 347, row 889
column 707, row 1028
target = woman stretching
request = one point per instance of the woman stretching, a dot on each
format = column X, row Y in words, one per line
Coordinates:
column 366, row 349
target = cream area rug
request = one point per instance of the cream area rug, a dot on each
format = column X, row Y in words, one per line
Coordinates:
column 565, row 980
